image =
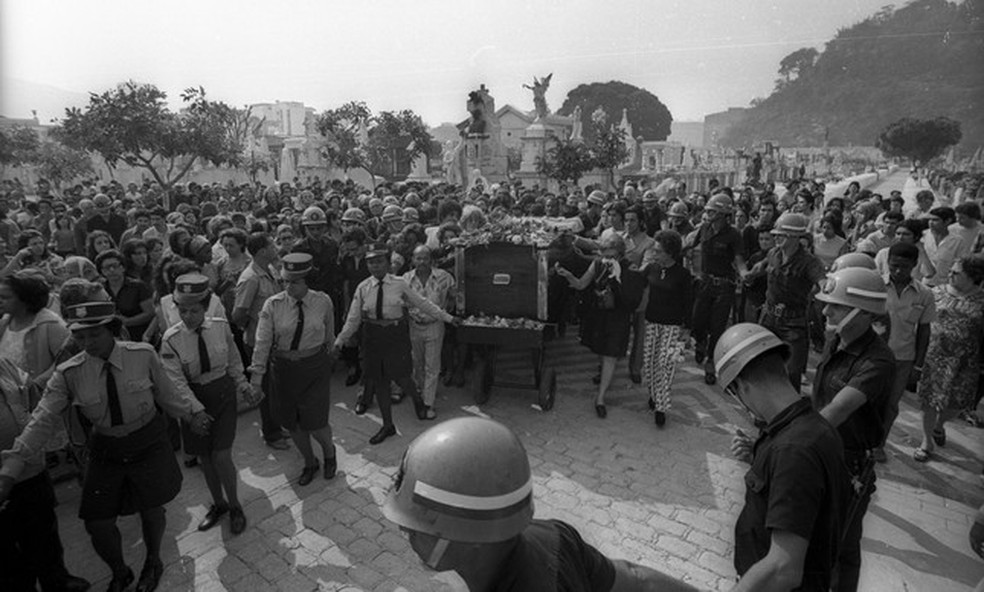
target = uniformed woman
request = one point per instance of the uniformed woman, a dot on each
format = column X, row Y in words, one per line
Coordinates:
column 294, row 334
column 378, row 306
column 199, row 354
column 117, row 386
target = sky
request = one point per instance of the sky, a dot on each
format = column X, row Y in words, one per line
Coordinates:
column 697, row 56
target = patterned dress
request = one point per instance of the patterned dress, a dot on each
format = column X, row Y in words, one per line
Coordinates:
column 953, row 360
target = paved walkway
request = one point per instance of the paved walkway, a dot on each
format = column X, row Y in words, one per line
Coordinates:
column 667, row 498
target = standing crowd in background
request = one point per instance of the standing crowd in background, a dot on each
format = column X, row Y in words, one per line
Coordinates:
column 139, row 320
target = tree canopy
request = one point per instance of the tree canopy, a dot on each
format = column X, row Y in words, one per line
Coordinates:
column 132, row 123
column 920, row 60
column 649, row 117
column 919, row 140
column 17, row 145
column 566, row 160
column 357, row 139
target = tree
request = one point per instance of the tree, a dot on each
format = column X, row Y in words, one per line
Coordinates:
column 17, row 144
column 133, row 124
column 608, row 150
column 394, row 137
column 796, row 65
column 919, row 140
column 357, row 139
column 649, row 117
column 566, row 160
column 59, row 164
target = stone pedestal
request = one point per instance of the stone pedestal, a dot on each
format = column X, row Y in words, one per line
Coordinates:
column 485, row 153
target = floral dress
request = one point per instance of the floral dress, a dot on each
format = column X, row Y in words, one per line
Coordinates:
column 953, row 359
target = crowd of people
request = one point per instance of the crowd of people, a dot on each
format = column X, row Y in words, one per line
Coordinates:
column 142, row 318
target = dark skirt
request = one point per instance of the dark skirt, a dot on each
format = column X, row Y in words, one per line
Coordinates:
column 301, row 395
column 386, row 351
column 219, row 399
column 606, row 332
column 130, row 474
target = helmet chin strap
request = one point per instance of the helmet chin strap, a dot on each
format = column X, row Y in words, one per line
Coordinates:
column 839, row 327
column 437, row 553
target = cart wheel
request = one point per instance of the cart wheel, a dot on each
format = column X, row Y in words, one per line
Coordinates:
column 481, row 382
column 548, row 389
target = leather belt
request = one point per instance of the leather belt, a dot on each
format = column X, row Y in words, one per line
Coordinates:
column 298, row 354
column 715, row 280
column 384, row 322
column 780, row 311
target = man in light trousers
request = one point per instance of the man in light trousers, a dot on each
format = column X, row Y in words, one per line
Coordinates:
column 427, row 333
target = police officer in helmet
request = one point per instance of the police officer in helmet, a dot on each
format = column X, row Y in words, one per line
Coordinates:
column 464, row 496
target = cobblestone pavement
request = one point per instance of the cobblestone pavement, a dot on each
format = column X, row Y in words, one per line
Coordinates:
column 667, row 497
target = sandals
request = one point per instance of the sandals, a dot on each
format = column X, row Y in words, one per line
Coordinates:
column 922, row 455
column 939, row 436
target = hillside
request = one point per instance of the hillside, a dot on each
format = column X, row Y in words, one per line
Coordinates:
column 923, row 60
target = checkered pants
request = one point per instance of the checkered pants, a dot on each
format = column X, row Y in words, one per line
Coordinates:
column 664, row 348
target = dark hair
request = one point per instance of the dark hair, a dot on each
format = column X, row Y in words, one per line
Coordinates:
column 640, row 215
column 355, row 235
column 91, row 243
column 448, row 207
column 30, row 288
column 257, row 241
column 671, row 242
column 906, row 251
column 894, row 216
column 172, row 238
column 237, row 234
column 141, row 213
column 106, row 255
column 971, row 209
column 924, row 194
column 78, row 291
column 915, row 226
column 26, row 236
column 945, row 213
column 836, row 222
column 973, row 266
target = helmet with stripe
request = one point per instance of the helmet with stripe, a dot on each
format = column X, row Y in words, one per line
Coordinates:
column 791, row 224
column 464, row 480
column 741, row 344
column 855, row 287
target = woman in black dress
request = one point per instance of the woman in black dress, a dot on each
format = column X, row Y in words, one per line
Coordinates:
column 611, row 297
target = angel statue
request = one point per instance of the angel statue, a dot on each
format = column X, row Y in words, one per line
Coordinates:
column 539, row 89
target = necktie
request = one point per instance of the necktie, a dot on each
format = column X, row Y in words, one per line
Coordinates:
column 203, row 359
column 115, row 410
column 379, row 300
column 296, row 341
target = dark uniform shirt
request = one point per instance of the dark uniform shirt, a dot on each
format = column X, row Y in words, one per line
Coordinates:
column 718, row 250
column 792, row 280
column 551, row 556
column 327, row 274
column 868, row 365
column 654, row 220
column 798, row 483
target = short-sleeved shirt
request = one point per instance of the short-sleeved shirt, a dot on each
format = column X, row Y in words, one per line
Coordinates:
column 719, row 249
column 183, row 363
column 868, row 365
column 551, row 557
column 913, row 307
column 279, row 320
column 128, row 301
column 141, row 383
column 791, row 281
column 254, row 286
column 798, row 483
column 438, row 289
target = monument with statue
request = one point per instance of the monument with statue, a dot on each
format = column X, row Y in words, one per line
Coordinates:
column 480, row 154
